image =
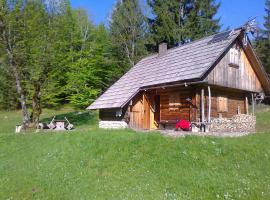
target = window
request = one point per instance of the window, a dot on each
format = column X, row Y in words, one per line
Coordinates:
column 222, row 104
column 234, row 57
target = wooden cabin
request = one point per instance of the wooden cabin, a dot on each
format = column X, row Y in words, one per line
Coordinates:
column 216, row 76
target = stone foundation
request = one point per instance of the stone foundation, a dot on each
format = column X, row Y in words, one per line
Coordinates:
column 239, row 123
column 113, row 124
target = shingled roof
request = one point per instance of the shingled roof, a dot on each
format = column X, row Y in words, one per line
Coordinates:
column 184, row 63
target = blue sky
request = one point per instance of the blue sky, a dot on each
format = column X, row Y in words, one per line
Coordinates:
column 232, row 12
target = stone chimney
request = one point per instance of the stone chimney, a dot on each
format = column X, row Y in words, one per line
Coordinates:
column 162, row 49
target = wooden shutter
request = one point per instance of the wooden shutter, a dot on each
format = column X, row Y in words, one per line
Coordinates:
column 222, row 104
column 234, row 57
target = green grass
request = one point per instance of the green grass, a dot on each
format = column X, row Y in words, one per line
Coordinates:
column 89, row 163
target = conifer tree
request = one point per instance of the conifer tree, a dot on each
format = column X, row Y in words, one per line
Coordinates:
column 262, row 41
column 176, row 21
column 267, row 19
column 170, row 17
column 201, row 20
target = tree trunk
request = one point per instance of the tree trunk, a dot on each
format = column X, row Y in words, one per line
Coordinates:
column 36, row 104
column 14, row 69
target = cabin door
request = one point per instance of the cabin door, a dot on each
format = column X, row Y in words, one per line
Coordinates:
column 146, row 114
column 142, row 114
column 137, row 113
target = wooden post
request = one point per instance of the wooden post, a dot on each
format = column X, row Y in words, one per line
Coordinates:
column 238, row 110
column 247, row 112
column 209, row 104
column 202, row 105
column 253, row 104
column 197, row 103
column 130, row 114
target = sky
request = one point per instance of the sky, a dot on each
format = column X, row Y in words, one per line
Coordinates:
column 233, row 13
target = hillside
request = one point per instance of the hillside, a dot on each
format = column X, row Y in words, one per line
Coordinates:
column 89, row 163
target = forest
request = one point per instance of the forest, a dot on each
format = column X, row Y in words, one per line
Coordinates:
column 52, row 54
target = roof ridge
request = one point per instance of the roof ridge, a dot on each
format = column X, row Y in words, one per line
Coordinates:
column 186, row 44
column 200, row 39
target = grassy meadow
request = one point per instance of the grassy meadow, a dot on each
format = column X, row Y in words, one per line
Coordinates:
column 89, row 163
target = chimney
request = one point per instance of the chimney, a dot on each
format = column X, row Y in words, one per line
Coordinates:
column 162, row 49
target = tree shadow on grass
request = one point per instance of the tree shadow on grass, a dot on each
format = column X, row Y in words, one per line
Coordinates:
column 76, row 118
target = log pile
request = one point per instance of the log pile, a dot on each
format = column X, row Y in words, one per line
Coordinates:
column 239, row 123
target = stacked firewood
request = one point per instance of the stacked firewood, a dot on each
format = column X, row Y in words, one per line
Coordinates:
column 239, row 123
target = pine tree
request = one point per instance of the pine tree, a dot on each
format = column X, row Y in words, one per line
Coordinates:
column 128, row 30
column 201, row 20
column 168, row 24
column 176, row 21
column 262, row 41
column 267, row 20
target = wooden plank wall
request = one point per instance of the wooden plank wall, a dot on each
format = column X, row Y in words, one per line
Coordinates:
column 234, row 98
column 242, row 77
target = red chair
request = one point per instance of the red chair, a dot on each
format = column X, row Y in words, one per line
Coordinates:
column 183, row 124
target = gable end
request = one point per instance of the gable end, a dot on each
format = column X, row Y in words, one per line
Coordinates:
column 245, row 75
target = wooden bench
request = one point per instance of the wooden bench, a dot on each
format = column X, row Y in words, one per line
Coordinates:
column 164, row 123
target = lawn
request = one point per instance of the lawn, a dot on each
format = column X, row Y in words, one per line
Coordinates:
column 89, row 163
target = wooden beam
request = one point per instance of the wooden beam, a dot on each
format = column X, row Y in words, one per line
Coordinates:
column 202, row 105
column 246, row 101
column 209, row 104
column 253, row 104
column 197, row 103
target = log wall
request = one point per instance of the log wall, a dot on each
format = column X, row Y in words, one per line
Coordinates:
column 177, row 103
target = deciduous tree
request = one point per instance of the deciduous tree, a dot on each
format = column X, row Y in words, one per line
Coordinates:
column 11, row 26
column 129, row 30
